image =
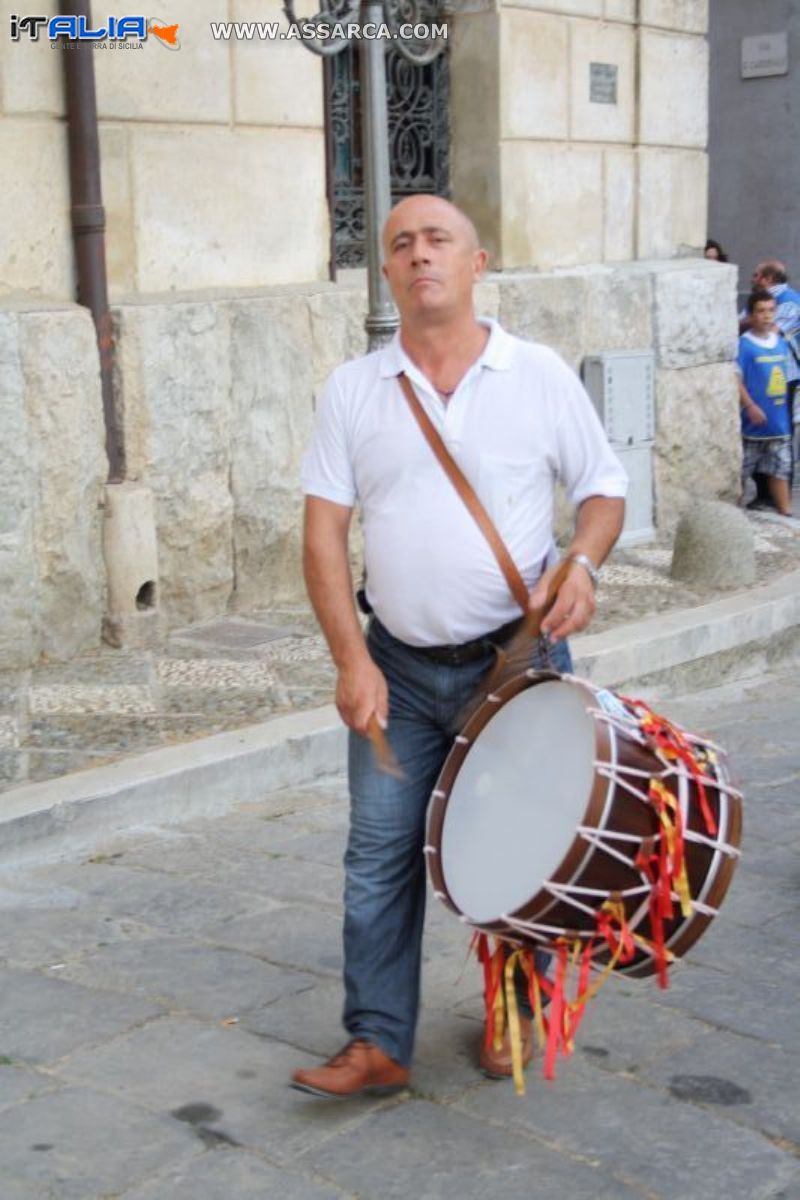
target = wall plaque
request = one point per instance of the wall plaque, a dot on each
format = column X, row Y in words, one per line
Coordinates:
column 765, row 54
column 603, row 83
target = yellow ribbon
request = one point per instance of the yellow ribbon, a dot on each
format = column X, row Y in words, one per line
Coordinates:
column 669, row 826
column 514, row 1031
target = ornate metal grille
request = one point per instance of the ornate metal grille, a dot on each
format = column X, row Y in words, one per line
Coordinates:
column 419, row 135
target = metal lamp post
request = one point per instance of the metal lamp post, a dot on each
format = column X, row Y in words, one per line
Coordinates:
column 381, row 321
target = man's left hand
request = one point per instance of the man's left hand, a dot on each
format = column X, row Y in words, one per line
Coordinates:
column 574, row 604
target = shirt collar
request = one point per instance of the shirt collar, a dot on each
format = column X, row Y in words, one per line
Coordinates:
column 496, row 355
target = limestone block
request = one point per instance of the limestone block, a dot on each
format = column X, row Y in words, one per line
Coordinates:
column 620, row 10
column 130, row 553
column 336, row 316
column 173, row 385
column 17, row 564
column 34, row 206
column 697, row 452
column 487, row 298
column 534, row 75
column 695, row 313
column 673, row 107
column 618, row 311
column 551, row 210
column 673, row 199
column 118, row 203
column 546, row 308
column 30, row 72
column 580, row 8
column 714, row 547
column 690, row 16
column 130, row 548
column 228, row 208
column 619, row 207
column 614, row 45
column 275, row 82
column 475, row 123
column 59, row 362
column 158, row 84
column 272, row 416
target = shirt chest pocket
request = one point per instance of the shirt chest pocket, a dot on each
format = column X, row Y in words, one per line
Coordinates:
column 506, row 484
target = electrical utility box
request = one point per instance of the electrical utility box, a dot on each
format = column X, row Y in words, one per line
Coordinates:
column 621, row 386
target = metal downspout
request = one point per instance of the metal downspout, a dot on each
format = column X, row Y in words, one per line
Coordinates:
column 89, row 220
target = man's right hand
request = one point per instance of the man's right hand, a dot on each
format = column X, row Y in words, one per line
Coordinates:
column 361, row 691
column 756, row 414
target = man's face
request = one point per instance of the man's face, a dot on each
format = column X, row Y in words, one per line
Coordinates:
column 763, row 316
column 759, row 279
column 431, row 257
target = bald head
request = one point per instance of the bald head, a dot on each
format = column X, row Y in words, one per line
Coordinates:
column 771, row 271
column 432, row 260
column 428, row 212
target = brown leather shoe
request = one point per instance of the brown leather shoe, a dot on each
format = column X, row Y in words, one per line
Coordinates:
column 359, row 1067
column 497, row 1063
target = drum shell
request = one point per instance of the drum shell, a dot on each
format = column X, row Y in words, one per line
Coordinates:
column 610, row 807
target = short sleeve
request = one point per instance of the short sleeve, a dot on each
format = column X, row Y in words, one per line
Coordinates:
column 327, row 470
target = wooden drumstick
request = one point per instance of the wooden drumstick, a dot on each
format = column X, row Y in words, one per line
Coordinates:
column 519, row 647
column 534, row 617
column 384, row 755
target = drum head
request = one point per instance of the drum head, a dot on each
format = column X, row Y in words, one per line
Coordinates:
column 515, row 803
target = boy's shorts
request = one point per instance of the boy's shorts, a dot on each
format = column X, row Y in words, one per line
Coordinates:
column 769, row 456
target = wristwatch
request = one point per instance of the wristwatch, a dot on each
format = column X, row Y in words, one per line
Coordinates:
column 586, row 562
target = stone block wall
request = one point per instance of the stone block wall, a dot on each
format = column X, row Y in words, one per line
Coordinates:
column 556, row 178
column 52, row 471
column 213, row 160
column 216, row 399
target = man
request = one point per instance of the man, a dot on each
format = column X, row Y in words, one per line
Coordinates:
column 763, row 366
column 772, row 276
column 513, row 416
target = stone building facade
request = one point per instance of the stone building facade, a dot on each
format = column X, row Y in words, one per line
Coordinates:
column 578, row 132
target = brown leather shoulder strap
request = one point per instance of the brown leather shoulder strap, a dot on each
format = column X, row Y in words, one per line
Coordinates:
column 467, row 494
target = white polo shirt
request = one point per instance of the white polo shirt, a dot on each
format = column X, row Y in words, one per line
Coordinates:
column 518, row 420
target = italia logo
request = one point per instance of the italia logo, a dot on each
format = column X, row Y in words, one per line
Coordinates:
column 76, row 28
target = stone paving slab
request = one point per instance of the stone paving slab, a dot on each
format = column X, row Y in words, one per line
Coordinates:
column 174, row 905
column 19, row 1083
column 41, row 1038
column 239, row 1079
column 213, row 981
column 168, row 1015
column 439, row 1153
column 77, row 1144
column 47, row 937
column 749, row 1078
column 242, row 869
column 231, row 1174
column 304, row 939
column 583, row 1112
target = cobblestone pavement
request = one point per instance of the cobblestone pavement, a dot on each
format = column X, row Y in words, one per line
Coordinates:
column 154, row 999
column 58, row 718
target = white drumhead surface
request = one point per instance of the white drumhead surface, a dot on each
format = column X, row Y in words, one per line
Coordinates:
column 516, row 802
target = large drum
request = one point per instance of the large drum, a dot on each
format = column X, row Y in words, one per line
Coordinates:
column 560, row 802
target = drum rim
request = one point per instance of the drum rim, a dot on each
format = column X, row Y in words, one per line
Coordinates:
column 577, row 851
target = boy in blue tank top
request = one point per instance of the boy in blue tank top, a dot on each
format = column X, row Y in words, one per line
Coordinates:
column 763, row 365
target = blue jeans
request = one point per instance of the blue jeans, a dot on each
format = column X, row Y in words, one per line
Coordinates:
column 384, row 865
